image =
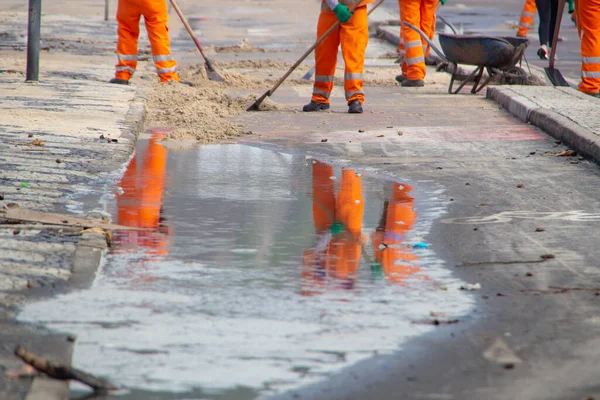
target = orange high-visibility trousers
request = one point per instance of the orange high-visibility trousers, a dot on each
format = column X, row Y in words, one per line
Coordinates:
column 428, row 29
column 340, row 257
column 156, row 19
column 527, row 18
column 420, row 13
column 389, row 238
column 588, row 24
column 353, row 36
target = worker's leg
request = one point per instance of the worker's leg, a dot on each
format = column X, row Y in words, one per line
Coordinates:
column 415, row 60
column 543, row 8
column 527, row 18
column 128, row 18
column 354, row 37
column 588, row 22
column 325, row 57
column 156, row 18
column 350, row 204
column 428, row 8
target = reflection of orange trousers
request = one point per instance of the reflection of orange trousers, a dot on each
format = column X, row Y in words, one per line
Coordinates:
column 420, row 13
column 140, row 204
column 156, row 19
column 527, row 17
column 353, row 37
column 588, row 24
column 388, row 240
column 341, row 257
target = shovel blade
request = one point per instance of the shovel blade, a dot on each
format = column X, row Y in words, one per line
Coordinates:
column 256, row 105
column 556, row 77
column 213, row 75
column 309, row 74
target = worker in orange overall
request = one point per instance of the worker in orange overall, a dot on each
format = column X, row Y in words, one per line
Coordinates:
column 527, row 18
column 420, row 13
column 156, row 19
column 588, row 25
column 392, row 256
column 353, row 35
column 335, row 256
column 140, row 206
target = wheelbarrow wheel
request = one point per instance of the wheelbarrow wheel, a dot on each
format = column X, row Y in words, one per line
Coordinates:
column 514, row 76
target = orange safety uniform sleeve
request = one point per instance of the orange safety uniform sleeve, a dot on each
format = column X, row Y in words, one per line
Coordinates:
column 588, row 24
column 527, row 17
column 420, row 13
column 353, row 36
column 389, row 242
column 156, row 20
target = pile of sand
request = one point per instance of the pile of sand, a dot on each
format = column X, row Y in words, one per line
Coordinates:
column 200, row 112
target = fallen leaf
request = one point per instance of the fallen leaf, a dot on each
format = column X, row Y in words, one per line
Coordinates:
column 380, row 135
column 37, row 142
column 520, row 186
column 323, row 140
column 400, row 133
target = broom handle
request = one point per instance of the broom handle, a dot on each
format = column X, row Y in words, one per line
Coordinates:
column 560, row 11
column 314, row 46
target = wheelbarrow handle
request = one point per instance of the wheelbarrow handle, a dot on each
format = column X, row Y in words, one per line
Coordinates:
column 425, row 38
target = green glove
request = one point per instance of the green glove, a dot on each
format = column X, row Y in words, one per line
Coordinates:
column 342, row 12
column 443, row 1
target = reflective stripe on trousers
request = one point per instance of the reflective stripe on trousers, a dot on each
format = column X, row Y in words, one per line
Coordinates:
column 353, row 37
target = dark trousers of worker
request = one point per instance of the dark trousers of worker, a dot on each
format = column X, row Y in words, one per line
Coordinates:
column 547, row 11
column 353, row 36
column 156, row 18
column 588, row 24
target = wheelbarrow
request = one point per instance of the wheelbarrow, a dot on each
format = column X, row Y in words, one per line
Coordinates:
column 496, row 55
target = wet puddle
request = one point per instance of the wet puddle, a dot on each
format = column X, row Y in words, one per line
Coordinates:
column 264, row 271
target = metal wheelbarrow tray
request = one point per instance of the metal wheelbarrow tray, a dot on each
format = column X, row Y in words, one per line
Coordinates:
column 496, row 55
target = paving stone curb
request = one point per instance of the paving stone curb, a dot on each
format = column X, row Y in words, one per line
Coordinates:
column 582, row 140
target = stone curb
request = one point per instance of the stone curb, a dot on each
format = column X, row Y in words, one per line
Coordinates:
column 582, row 140
column 90, row 250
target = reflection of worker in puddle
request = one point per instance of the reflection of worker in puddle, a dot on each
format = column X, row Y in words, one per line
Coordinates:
column 392, row 257
column 338, row 222
column 334, row 259
column 140, row 205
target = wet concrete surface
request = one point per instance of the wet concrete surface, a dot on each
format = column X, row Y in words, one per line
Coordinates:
column 267, row 271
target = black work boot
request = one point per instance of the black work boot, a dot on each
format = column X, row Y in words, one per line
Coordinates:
column 119, row 81
column 314, row 106
column 400, row 78
column 597, row 95
column 355, row 107
column 413, row 83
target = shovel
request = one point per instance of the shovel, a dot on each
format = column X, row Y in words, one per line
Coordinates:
column 554, row 74
column 210, row 70
column 256, row 104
